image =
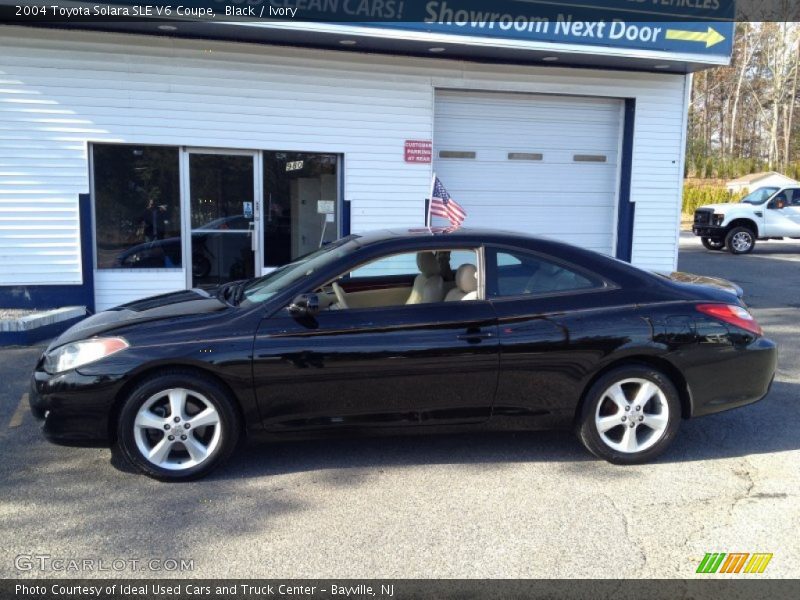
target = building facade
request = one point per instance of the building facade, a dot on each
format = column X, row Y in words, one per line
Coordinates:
column 134, row 164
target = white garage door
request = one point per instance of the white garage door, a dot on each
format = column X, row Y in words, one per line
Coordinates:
column 543, row 165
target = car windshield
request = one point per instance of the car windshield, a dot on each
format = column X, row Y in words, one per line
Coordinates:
column 760, row 195
column 264, row 288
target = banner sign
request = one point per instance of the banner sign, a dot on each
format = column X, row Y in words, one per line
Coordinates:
column 698, row 27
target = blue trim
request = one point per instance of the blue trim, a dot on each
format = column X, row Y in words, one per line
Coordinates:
column 346, row 218
column 627, row 209
column 56, row 296
column 32, row 336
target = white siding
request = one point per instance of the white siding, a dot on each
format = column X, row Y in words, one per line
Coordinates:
column 60, row 90
column 114, row 287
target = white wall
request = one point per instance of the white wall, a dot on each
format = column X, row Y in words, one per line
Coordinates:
column 60, row 90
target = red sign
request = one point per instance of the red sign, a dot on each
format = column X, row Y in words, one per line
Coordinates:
column 419, row 151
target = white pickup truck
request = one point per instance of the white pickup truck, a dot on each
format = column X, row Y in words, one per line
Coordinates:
column 768, row 213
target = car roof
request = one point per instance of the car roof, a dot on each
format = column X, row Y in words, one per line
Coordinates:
column 415, row 238
column 462, row 234
column 470, row 235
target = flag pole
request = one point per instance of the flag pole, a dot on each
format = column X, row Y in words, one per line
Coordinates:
column 430, row 201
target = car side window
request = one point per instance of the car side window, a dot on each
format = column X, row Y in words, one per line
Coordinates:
column 400, row 264
column 418, row 277
column 518, row 273
column 795, row 197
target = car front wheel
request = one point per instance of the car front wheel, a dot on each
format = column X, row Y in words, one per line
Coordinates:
column 178, row 426
column 630, row 415
column 713, row 243
column 740, row 240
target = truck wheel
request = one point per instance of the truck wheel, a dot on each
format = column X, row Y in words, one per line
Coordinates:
column 740, row 240
column 713, row 243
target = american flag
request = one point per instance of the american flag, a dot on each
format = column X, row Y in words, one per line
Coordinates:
column 442, row 205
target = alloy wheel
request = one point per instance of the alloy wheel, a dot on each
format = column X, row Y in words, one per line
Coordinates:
column 177, row 429
column 742, row 241
column 632, row 415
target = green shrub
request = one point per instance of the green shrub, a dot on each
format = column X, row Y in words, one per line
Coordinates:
column 695, row 196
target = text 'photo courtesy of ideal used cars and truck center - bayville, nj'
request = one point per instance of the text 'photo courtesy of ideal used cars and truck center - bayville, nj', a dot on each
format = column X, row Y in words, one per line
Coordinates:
column 399, row 299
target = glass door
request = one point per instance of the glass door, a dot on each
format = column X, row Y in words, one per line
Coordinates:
column 223, row 216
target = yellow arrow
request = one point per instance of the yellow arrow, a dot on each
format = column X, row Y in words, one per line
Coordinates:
column 712, row 37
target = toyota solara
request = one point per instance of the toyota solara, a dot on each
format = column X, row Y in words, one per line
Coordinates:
column 423, row 329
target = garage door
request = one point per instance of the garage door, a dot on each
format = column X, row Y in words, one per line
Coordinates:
column 543, row 165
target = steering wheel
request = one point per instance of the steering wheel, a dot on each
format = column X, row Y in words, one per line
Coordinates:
column 341, row 297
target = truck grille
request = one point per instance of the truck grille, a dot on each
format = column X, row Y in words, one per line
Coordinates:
column 702, row 217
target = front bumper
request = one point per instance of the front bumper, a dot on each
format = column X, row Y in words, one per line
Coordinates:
column 709, row 231
column 76, row 408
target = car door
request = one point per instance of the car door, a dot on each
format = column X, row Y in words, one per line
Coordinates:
column 398, row 365
column 556, row 322
column 782, row 215
column 793, row 213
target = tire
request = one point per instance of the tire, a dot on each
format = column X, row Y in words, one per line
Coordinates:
column 148, row 418
column 604, row 423
column 713, row 243
column 740, row 240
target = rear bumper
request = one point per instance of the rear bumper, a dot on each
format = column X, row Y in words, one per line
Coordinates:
column 735, row 377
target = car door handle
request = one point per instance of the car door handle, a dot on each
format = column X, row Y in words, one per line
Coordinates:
column 475, row 337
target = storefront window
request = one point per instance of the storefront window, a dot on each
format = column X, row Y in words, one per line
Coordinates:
column 137, row 206
column 301, row 204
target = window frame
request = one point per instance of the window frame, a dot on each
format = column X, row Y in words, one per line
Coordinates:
column 478, row 250
column 490, row 275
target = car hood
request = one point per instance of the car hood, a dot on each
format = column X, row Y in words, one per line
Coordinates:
column 166, row 306
column 724, row 209
column 716, row 283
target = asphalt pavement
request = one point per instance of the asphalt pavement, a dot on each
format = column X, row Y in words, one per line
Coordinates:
column 464, row 506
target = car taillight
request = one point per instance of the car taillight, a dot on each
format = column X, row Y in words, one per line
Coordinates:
column 732, row 314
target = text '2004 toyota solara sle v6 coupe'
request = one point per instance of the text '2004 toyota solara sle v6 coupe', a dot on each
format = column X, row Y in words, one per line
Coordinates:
column 421, row 329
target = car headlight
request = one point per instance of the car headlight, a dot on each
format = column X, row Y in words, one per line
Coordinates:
column 78, row 354
column 717, row 219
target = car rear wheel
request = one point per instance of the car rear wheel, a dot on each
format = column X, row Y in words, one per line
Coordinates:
column 178, row 426
column 740, row 240
column 713, row 243
column 630, row 415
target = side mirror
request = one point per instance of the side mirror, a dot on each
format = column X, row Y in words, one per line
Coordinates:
column 305, row 305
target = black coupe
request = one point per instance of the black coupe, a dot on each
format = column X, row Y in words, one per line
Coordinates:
column 416, row 329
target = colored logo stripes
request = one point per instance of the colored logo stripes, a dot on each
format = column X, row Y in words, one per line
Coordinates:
column 736, row 562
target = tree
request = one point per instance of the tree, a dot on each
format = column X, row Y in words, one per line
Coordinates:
column 742, row 117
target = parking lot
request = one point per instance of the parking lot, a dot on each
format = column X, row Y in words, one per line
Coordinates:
column 490, row 505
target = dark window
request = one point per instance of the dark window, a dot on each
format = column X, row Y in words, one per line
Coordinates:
column 515, row 273
column 795, row 196
column 301, row 204
column 137, row 206
column 222, row 217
